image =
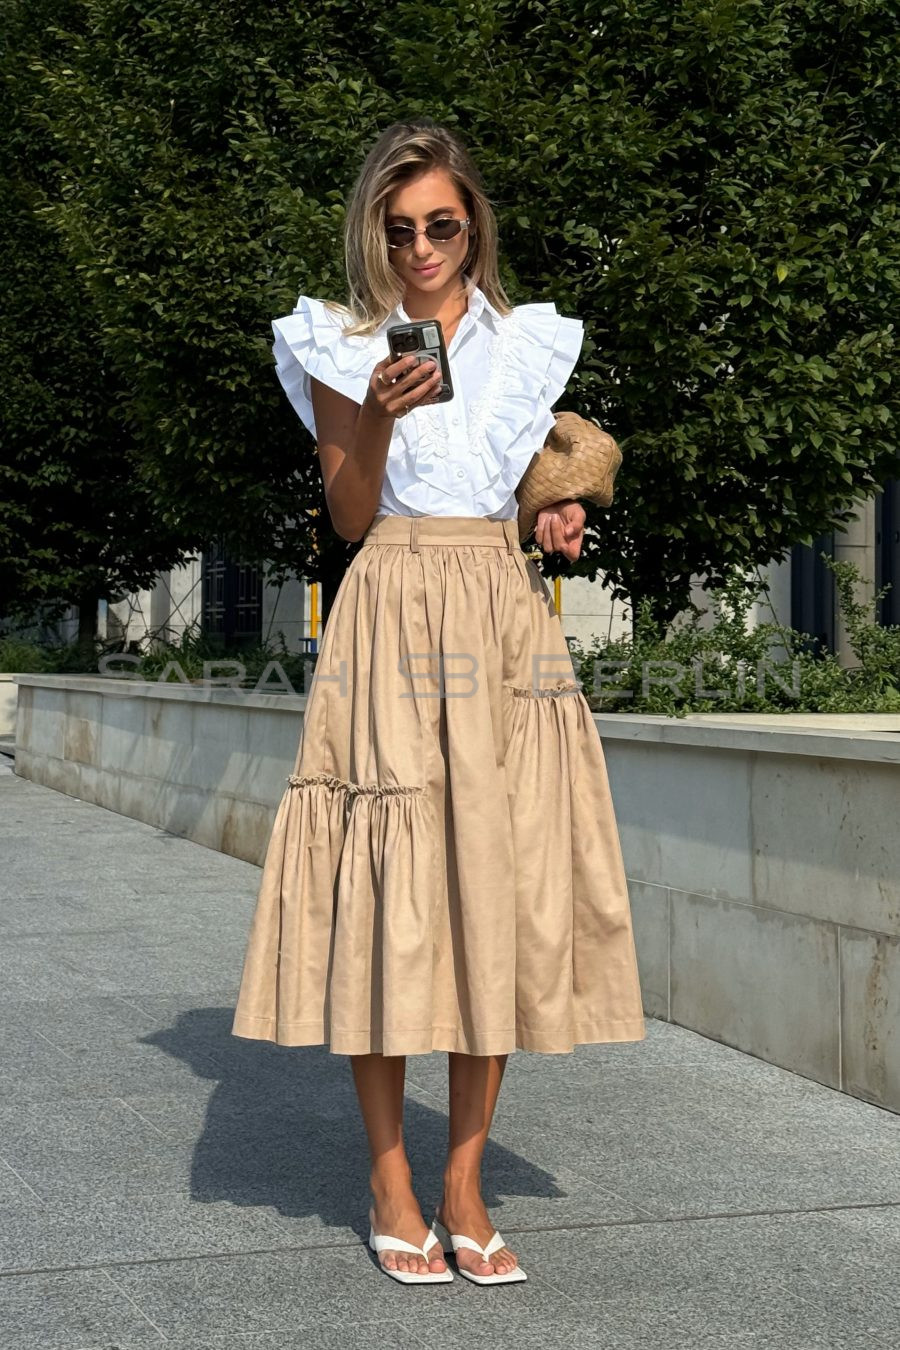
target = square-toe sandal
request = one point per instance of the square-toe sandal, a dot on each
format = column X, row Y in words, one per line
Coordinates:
column 380, row 1242
column 451, row 1242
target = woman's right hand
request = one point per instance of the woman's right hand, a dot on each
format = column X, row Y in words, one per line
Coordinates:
column 404, row 385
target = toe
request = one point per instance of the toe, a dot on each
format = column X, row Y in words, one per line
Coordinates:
column 478, row 1266
column 504, row 1260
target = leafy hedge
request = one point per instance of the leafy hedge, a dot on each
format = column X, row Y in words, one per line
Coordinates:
column 737, row 667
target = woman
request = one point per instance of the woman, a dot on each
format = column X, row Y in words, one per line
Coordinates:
column 444, row 871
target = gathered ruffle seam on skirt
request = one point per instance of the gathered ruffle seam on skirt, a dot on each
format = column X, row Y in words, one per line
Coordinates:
column 370, row 789
column 561, row 689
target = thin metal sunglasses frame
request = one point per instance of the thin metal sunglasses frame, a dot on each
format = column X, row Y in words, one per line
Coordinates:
column 461, row 221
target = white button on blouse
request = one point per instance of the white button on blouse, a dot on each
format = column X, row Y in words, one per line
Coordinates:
column 464, row 457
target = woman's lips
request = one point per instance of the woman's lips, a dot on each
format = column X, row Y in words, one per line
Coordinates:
column 427, row 271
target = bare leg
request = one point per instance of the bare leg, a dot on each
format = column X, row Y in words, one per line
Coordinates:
column 474, row 1087
column 379, row 1081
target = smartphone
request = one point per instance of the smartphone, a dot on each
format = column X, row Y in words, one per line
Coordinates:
column 425, row 337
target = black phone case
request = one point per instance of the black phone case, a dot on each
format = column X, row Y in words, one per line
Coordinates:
column 426, row 349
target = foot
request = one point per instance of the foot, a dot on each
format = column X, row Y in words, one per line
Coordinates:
column 401, row 1217
column 466, row 1213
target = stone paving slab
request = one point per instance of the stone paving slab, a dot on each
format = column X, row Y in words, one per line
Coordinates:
column 164, row 1183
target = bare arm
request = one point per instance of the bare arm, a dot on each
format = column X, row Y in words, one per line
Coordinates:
column 353, row 439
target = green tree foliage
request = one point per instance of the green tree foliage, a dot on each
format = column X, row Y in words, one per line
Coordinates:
column 77, row 521
column 179, row 198
column 711, row 186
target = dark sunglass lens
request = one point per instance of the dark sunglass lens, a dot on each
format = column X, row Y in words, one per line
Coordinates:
column 400, row 234
column 443, row 229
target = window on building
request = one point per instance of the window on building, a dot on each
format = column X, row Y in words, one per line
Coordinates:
column 813, row 593
column 232, row 599
column 887, row 551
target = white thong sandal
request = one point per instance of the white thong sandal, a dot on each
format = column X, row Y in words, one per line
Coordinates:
column 453, row 1241
column 380, row 1242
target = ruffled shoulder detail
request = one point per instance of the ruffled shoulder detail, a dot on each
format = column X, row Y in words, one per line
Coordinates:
column 534, row 352
column 311, row 341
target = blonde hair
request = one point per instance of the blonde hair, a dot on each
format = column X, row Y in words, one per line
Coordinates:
column 402, row 152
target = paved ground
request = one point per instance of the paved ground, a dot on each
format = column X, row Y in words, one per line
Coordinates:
column 164, row 1184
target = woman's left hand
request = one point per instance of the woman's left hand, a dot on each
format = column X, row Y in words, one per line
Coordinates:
column 559, row 528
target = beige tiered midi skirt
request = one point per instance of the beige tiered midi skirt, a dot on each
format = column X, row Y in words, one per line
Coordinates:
column 444, row 871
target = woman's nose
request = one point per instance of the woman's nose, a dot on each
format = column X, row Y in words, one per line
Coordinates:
column 422, row 247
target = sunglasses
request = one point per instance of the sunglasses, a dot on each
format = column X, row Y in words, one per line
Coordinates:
column 448, row 227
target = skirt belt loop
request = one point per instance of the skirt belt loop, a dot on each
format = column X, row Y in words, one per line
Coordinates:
column 414, row 535
column 511, row 530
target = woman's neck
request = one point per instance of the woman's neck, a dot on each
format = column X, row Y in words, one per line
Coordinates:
column 448, row 305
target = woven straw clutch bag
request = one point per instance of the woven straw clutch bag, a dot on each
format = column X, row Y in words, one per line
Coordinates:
column 578, row 460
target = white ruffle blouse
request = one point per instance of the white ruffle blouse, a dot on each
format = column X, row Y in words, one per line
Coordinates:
column 464, row 457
